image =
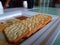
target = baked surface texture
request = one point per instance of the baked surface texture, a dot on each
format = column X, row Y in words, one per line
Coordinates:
column 25, row 28
column 15, row 32
column 36, row 22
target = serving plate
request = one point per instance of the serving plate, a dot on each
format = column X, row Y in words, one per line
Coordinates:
column 34, row 38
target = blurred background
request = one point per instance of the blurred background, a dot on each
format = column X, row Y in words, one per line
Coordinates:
column 31, row 3
column 42, row 6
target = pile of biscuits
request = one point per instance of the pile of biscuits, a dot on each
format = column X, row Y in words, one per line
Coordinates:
column 16, row 30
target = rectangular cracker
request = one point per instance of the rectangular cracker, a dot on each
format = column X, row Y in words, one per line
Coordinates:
column 44, row 19
column 15, row 32
column 4, row 24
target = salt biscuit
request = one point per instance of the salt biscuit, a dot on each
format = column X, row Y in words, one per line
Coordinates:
column 12, row 21
column 38, row 21
column 3, row 25
column 15, row 33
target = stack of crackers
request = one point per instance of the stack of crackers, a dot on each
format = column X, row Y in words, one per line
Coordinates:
column 20, row 29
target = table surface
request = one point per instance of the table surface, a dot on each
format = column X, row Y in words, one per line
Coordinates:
column 47, row 10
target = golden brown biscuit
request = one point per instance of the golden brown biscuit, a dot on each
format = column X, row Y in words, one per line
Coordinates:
column 7, row 23
column 15, row 32
column 3, row 25
column 36, row 22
